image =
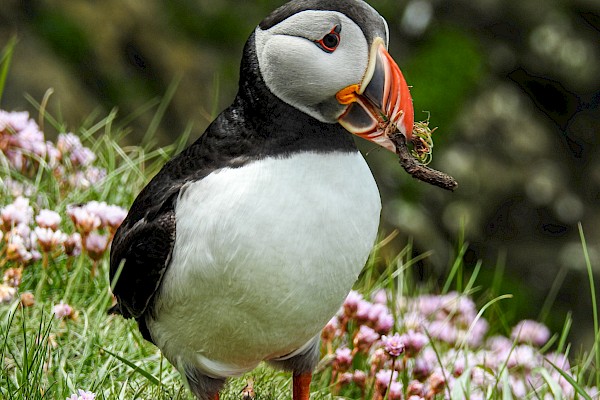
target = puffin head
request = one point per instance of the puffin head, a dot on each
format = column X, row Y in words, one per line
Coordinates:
column 329, row 59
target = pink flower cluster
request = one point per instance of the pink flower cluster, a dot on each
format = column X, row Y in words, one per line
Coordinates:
column 440, row 350
column 25, row 148
column 63, row 310
column 91, row 219
column 82, row 395
column 30, row 232
column 95, row 224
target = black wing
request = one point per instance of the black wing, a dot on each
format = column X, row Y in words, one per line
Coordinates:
column 141, row 250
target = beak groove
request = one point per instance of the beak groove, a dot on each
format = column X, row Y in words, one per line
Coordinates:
column 382, row 102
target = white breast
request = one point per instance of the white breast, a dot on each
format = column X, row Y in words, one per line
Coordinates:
column 264, row 256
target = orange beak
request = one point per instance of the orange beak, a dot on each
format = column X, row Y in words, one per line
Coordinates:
column 381, row 103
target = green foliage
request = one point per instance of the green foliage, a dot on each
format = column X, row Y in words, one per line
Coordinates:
column 64, row 36
column 443, row 73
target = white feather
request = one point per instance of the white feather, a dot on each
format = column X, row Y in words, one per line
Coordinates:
column 264, row 256
column 303, row 75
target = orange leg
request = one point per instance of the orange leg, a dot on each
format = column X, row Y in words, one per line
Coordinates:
column 301, row 386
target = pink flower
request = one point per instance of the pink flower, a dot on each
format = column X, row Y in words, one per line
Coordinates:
column 499, row 344
column 48, row 239
column 345, row 378
column 593, row 392
column 532, row 332
column 48, row 219
column 395, row 391
column 12, row 276
column 82, row 395
column 85, row 395
column 558, row 359
column 519, row 389
column 393, row 345
column 362, row 310
column 7, row 293
column 113, row 216
column 375, row 311
column 84, row 220
column 436, row 383
column 16, row 188
column 351, row 303
column 360, row 378
column 343, row 359
column 16, row 213
column 481, row 377
column 92, row 176
column 383, row 379
column 444, row 331
column 378, row 358
column 414, row 342
column 62, row 310
column 364, row 338
column 13, row 121
column 331, row 330
column 67, row 142
column 31, row 139
column 110, row 215
column 79, row 180
column 461, row 307
column 415, row 388
column 384, row 323
column 73, row 245
column 425, row 363
column 428, row 304
column 525, row 357
column 53, row 155
column 18, row 249
column 82, row 156
column 477, row 332
column 96, row 245
column 379, row 297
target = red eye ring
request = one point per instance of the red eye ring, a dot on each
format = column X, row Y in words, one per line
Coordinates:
column 330, row 41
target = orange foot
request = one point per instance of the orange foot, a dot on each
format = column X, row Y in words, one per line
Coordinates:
column 301, row 386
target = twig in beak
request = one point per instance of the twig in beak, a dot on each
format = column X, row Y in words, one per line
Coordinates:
column 418, row 170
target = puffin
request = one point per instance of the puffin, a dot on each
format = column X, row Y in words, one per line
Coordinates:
column 245, row 244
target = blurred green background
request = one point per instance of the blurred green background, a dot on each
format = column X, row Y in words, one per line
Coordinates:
column 513, row 85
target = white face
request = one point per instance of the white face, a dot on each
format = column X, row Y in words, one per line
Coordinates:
column 303, row 74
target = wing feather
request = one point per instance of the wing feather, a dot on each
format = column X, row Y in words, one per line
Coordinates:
column 141, row 252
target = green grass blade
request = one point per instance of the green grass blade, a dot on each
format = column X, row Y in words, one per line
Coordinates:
column 160, row 113
column 455, row 268
column 5, row 61
column 565, row 332
column 151, row 378
column 590, row 271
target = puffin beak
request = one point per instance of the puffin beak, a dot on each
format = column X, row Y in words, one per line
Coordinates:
column 381, row 103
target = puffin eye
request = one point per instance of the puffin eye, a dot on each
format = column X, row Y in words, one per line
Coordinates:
column 330, row 41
